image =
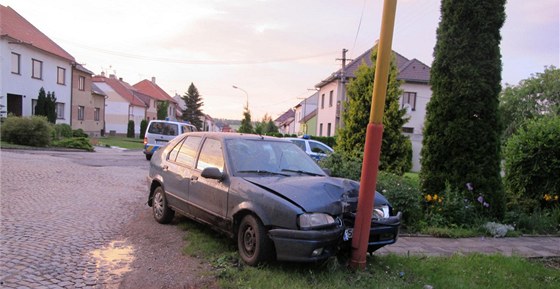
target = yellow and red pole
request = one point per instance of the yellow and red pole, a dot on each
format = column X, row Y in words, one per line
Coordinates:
column 374, row 135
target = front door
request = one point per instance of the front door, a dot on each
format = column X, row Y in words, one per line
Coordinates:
column 15, row 104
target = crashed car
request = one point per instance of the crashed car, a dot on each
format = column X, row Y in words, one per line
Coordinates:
column 266, row 193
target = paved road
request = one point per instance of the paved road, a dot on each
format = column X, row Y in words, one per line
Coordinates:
column 63, row 214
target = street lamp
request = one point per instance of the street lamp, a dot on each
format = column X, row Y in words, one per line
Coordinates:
column 246, row 94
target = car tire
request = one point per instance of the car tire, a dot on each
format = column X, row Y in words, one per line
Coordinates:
column 148, row 157
column 252, row 241
column 162, row 213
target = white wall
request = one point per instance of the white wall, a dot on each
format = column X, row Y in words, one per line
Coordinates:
column 24, row 84
column 327, row 114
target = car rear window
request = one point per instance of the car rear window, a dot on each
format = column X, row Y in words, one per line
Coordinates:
column 164, row 128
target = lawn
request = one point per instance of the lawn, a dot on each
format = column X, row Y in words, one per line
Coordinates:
column 119, row 141
column 388, row 271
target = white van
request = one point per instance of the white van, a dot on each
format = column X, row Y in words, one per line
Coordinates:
column 159, row 132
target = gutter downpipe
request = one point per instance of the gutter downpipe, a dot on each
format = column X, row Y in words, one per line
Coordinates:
column 374, row 135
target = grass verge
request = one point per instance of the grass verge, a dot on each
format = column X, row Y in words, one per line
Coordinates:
column 388, row 271
column 119, row 141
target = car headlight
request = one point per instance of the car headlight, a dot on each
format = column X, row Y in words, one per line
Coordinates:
column 380, row 212
column 315, row 221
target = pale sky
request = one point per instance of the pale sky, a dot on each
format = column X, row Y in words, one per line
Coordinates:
column 275, row 50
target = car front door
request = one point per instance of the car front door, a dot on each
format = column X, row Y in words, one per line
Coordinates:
column 208, row 197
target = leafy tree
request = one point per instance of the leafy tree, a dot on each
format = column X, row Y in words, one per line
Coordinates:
column 246, row 125
column 193, row 112
column 534, row 97
column 143, row 127
column 266, row 126
column 40, row 107
column 462, row 133
column 396, row 149
column 130, row 129
column 162, row 107
column 51, row 107
column 532, row 163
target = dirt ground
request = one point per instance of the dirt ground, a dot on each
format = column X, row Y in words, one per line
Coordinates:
column 159, row 261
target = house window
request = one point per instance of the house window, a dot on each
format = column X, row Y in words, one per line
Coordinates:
column 96, row 113
column 59, row 110
column 323, row 100
column 408, row 129
column 33, row 106
column 81, row 111
column 330, row 98
column 81, row 83
column 409, row 98
column 329, row 129
column 321, row 129
column 16, row 63
column 37, row 69
column 61, row 75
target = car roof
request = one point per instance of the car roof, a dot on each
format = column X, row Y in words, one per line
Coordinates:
column 170, row 121
column 233, row 135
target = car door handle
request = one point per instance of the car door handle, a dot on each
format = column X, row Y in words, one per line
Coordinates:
column 194, row 178
column 165, row 168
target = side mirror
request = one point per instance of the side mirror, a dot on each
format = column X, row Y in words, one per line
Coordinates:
column 212, row 173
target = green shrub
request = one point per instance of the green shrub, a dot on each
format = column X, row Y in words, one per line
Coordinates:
column 74, row 142
column 30, row 131
column 404, row 196
column 79, row 133
column 143, row 127
column 62, row 130
column 532, row 164
column 538, row 222
column 343, row 165
column 130, row 129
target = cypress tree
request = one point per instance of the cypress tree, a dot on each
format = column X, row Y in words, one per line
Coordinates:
column 246, row 125
column 50, row 107
column 193, row 111
column 462, row 134
column 396, row 149
column 40, row 107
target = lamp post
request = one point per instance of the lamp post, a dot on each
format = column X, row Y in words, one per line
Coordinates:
column 246, row 94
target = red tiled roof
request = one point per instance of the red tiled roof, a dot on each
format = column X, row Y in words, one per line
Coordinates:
column 148, row 87
column 18, row 28
column 121, row 87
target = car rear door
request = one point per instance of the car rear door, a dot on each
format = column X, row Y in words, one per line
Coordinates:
column 178, row 171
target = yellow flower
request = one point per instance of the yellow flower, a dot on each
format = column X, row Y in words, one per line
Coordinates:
column 440, row 200
column 547, row 197
column 435, row 197
column 428, row 198
column 556, row 198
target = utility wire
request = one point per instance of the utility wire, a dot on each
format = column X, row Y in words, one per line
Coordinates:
column 359, row 25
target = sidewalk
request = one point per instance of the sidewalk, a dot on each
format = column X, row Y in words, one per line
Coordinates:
column 518, row 246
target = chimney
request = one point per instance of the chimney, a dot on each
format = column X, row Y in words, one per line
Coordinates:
column 103, row 73
column 153, row 79
column 112, row 76
column 120, row 78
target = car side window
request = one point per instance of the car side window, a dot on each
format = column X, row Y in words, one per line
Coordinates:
column 318, row 148
column 300, row 144
column 173, row 153
column 187, row 153
column 211, row 155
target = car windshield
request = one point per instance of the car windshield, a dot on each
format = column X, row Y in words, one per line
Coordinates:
column 269, row 157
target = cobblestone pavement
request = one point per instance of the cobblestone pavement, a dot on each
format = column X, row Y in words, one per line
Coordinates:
column 60, row 219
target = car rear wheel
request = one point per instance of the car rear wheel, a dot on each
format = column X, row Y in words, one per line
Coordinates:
column 253, row 243
column 162, row 213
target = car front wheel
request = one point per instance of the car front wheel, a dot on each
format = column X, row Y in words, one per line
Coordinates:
column 162, row 213
column 253, row 243
column 148, row 157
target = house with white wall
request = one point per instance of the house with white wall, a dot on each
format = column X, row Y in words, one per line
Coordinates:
column 122, row 105
column 286, row 122
column 415, row 77
column 29, row 61
column 158, row 95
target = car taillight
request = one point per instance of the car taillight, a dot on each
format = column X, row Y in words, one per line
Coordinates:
column 145, row 140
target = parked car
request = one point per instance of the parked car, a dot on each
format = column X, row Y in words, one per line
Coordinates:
column 160, row 132
column 315, row 149
column 264, row 192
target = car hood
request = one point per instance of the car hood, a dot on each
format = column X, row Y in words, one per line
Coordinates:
column 316, row 194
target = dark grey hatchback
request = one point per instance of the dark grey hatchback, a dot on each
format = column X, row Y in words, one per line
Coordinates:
column 265, row 192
